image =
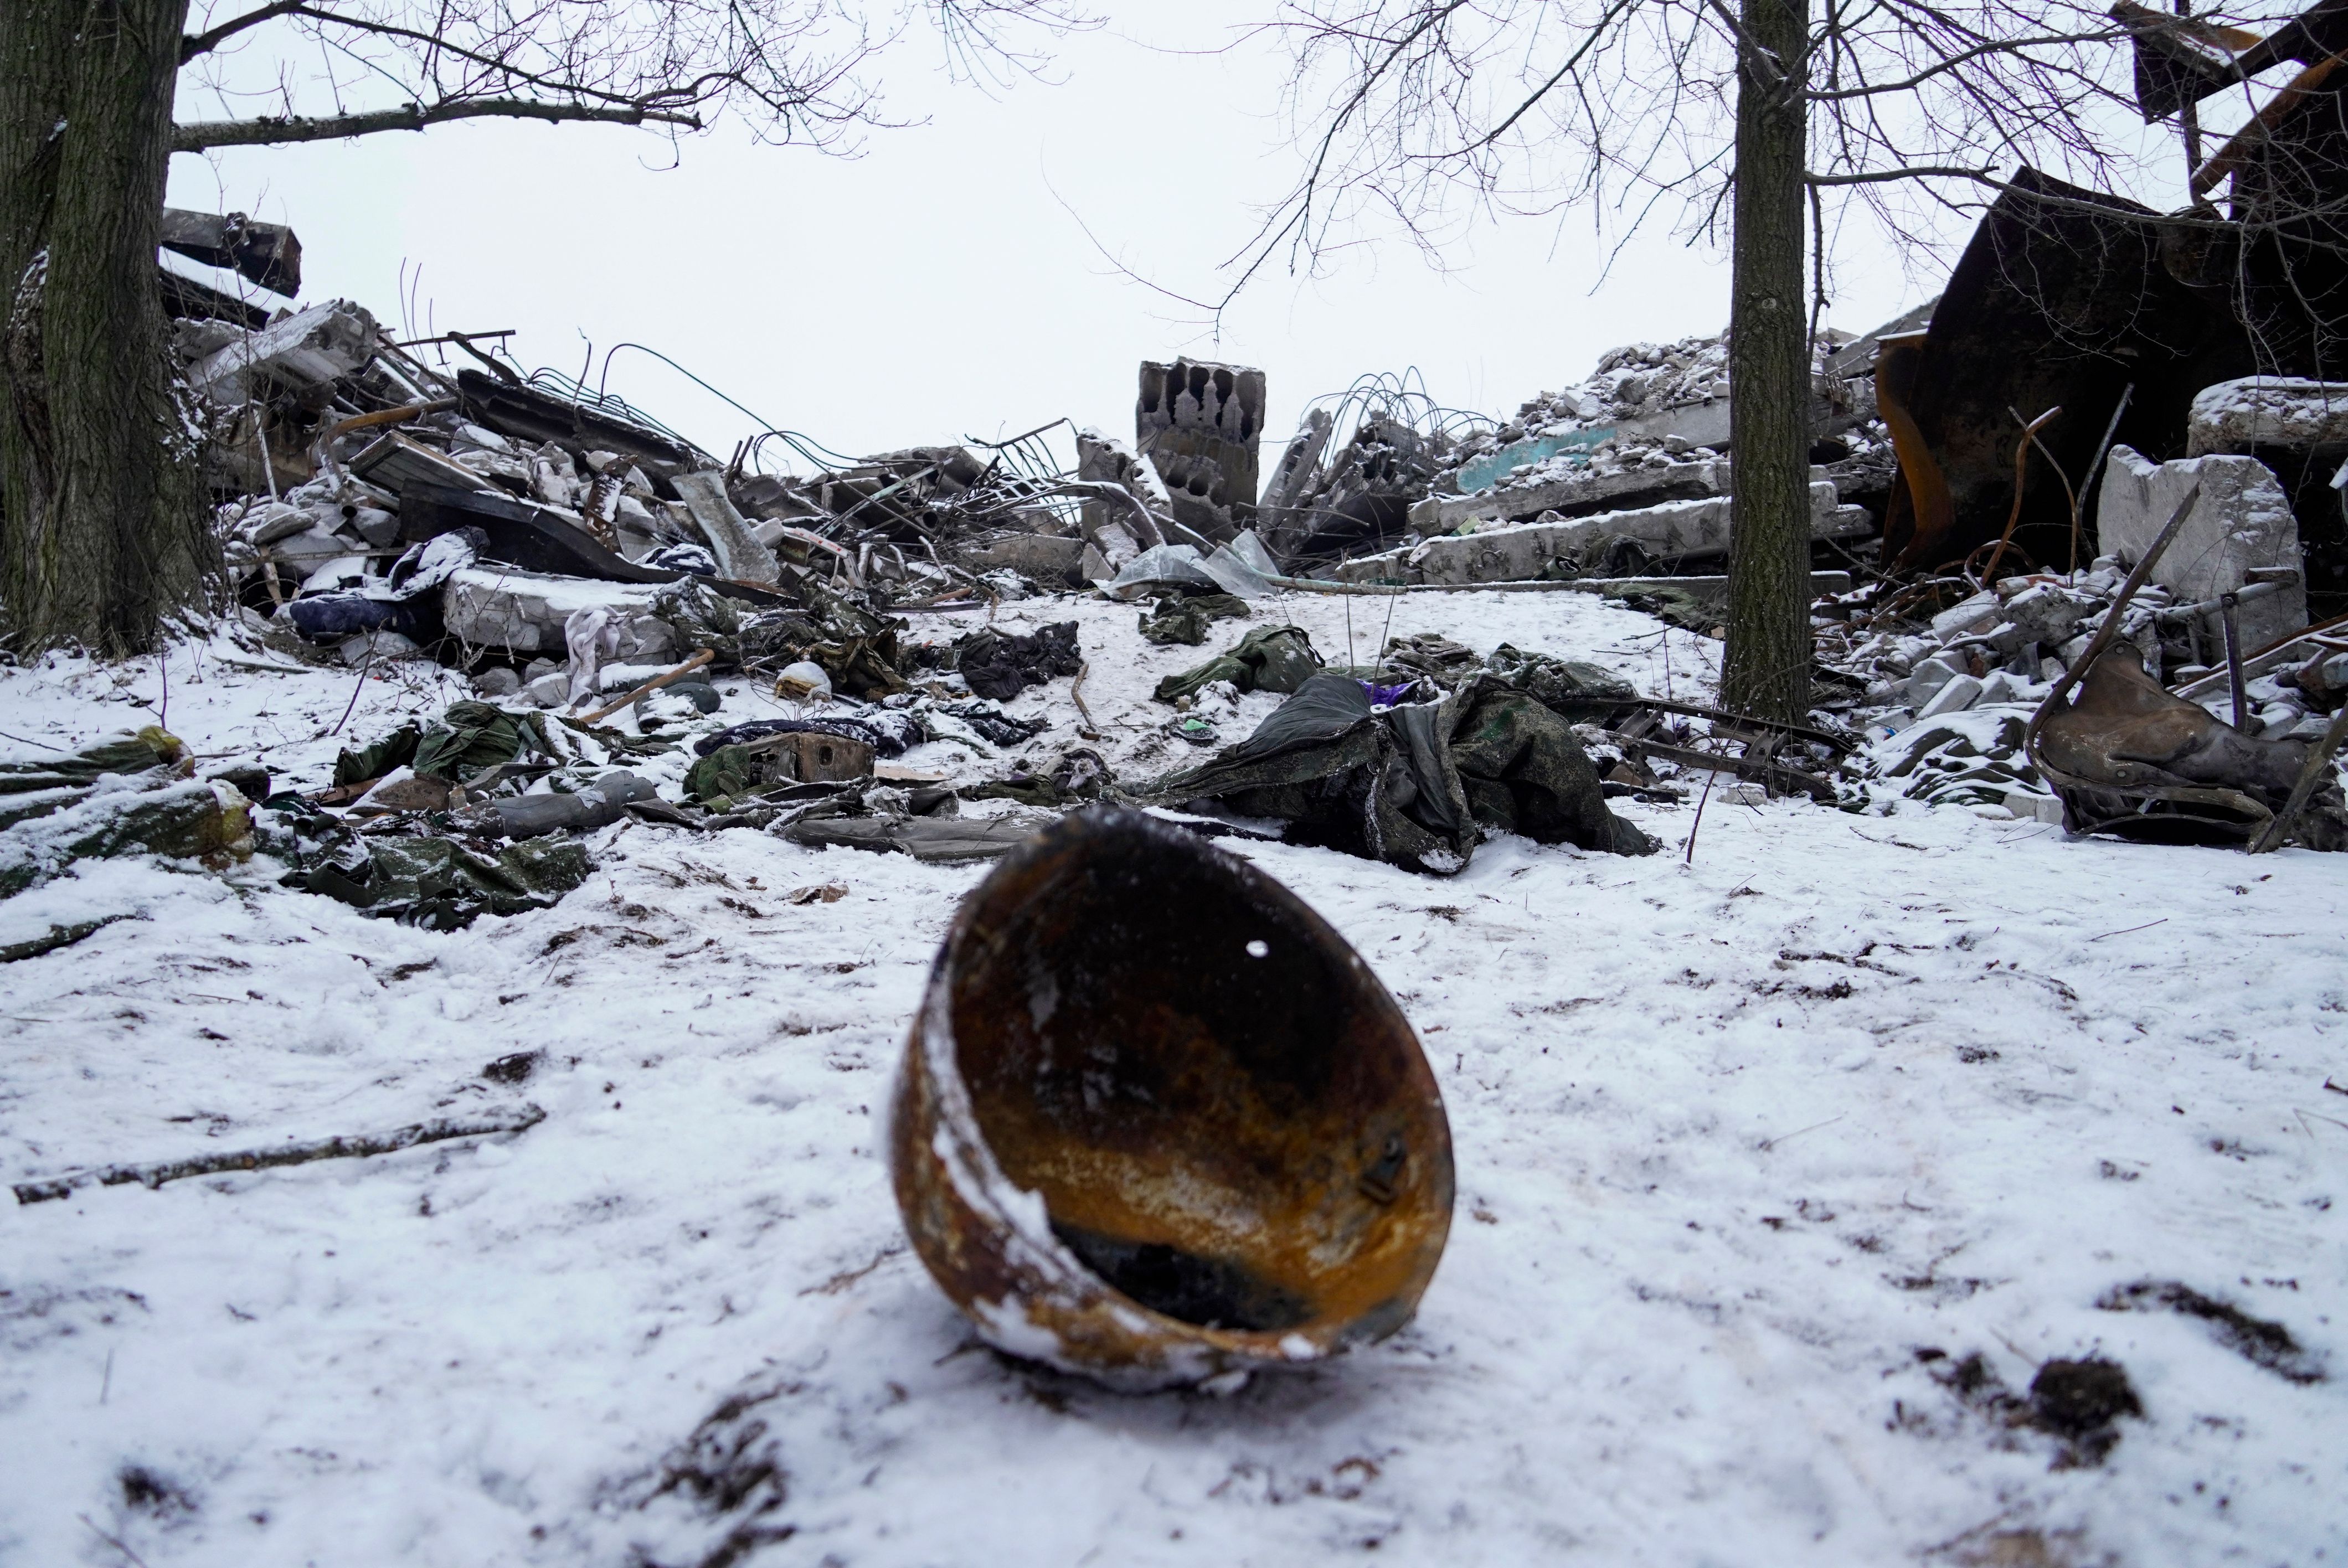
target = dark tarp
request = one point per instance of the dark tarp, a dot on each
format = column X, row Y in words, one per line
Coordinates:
column 1000, row 667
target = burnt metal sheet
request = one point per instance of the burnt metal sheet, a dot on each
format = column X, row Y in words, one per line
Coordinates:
column 2131, row 757
column 2180, row 60
column 531, row 536
column 2060, row 299
column 1156, row 1123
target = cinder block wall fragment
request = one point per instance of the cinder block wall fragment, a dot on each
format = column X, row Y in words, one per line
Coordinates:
column 1198, row 423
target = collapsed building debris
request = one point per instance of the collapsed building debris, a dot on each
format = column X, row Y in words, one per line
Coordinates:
column 1258, row 1176
column 608, row 584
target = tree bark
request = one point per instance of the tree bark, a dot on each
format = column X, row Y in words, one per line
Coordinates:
column 1766, row 668
column 101, row 527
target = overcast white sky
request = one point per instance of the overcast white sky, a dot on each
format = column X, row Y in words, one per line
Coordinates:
column 937, row 286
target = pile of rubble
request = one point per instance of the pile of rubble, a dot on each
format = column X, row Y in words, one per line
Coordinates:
column 607, row 584
column 2211, row 682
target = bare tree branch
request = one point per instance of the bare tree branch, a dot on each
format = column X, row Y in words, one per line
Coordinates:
column 411, row 116
column 1921, row 171
column 791, row 69
column 205, row 43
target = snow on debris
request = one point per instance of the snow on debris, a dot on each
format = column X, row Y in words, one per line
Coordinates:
column 1783, row 1173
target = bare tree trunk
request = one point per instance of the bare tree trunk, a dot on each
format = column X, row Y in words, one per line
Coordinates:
column 1767, row 666
column 101, row 528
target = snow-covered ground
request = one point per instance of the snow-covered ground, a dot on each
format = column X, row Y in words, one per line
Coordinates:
column 1752, row 1153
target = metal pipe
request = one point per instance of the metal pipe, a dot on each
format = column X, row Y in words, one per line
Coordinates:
column 2233, row 657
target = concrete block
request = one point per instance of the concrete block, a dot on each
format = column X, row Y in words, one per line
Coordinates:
column 2267, row 411
column 739, row 554
column 306, row 352
column 2241, row 521
column 1199, row 425
column 1052, row 561
column 1959, row 693
column 1930, row 675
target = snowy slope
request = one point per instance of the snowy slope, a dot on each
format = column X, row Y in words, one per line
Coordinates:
column 1736, row 1140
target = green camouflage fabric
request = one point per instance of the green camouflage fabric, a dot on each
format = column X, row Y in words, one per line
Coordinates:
column 1414, row 786
column 1269, row 659
column 395, row 750
column 442, row 885
column 1577, row 692
column 1185, row 620
column 473, row 737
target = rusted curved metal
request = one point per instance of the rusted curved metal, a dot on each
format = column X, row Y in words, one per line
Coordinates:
column 1158, row 1122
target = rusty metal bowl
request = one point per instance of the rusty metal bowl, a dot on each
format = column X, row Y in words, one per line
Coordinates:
column 1156, row 1123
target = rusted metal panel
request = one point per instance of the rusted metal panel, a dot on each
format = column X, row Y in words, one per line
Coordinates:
column 1156, row 1123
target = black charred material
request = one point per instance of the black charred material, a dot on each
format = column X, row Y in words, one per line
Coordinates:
column 2055, row 303
column 264, row 253
column 184, row 299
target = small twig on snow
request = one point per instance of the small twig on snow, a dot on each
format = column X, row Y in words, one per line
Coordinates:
column 356, row 1146
column 1689, row 858
column 1769, row 1143
column 2147, row 925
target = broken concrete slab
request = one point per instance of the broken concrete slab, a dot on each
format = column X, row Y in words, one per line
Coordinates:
column 2242, row 523
column 2252, row 411
column 531, row 414
column 1676, row 530
column 494, row 606
column 1578, row 490
column 1702, row 423
column 395, row 462
column 305, row 353
column 264, row 253
column 1045, row 558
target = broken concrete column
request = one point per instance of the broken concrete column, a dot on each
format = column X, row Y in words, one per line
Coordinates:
column 2241, row 521
column 2267, row 411
column 1108, row 525
column 740, row 555
column 1297, row 465
column 1198, row 423
column 307, row 352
